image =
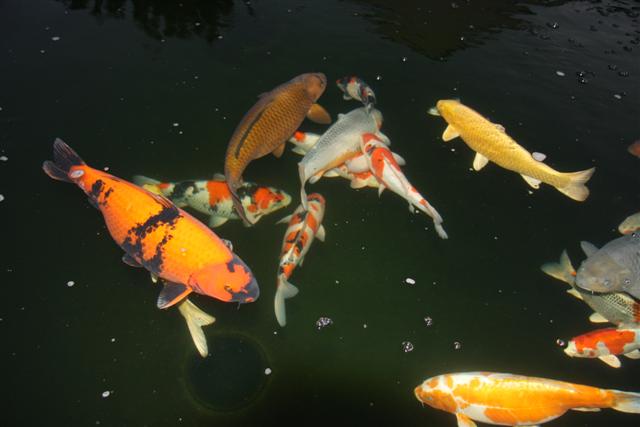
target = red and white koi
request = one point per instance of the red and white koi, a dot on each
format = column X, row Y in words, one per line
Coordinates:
column 213, row 197
column 387, row 171
column 516, row 400
column 304, row 226
column 605, row 344
column 303, row 141
column 355, row 88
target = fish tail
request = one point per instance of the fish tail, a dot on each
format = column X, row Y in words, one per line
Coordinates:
column 576, row 189
column 237, row 204
column 426, row 207
column 562, row 270
column 64, row 158
column 285, row 290
column 625, row 401
column 303, row 193
column 196, row 319
column 141, row 180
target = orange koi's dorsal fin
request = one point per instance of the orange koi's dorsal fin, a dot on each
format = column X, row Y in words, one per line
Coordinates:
column 172, row 293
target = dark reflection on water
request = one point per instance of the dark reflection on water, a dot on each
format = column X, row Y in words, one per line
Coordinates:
column 165, row 18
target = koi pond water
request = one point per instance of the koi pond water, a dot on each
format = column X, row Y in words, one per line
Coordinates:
column 156, row 89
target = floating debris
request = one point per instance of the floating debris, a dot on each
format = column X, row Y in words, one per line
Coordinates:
column 407, row 346
column 378, row 77
column 106, row 394
column 70, row 283
column 323, row 322
column 113, row 340
column 176, row 124
column 3, row 158
column 428, row 321
column 267, row 371
column 404, row 59
column 560, row 73
column 457, row 345
column 409, row 281
column 1, row 197
column 55, row 38
column 617, row 96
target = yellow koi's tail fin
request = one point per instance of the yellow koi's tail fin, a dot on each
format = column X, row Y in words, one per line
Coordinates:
column 576, row 189
column 196, row 319
column 285, row 290
column 562, row 270
column 625, row 401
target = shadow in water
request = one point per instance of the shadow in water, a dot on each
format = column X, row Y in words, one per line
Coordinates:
column 165, row 18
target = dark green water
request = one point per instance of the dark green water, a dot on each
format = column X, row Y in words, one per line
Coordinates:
column 122, row 72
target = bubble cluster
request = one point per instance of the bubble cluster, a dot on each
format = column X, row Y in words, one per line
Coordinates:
column 323, row 322
column 428, row 321
column 457, row 345
column 407, row 346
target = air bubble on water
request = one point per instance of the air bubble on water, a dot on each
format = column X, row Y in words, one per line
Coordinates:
column 113, row 340
column 106, row 168
column 70, row 283
column 560, row 73
column 410, row 281
column 428, row 321
column 106, row 394
column 55, row 38
column 267, row 371
column 364, row 325
column 404, row 59
column 220, row 37
column 323, row 322
column 176, row 124
column 617, row 96
column 457, row 345
column 407, row 346
column 378, row 77
column 3, row 158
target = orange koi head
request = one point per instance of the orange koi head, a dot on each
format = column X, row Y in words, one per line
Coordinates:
column 230, row 282
column 435, row 393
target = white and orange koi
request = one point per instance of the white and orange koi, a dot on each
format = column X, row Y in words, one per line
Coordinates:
column 304, row 226
column 605, row 344
column 515, row 400
column 387, row 171
column 303, row 141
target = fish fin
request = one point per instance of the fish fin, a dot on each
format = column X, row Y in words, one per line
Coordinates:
column 128, row 259
column 196, row 319
column 383, row 138
column 464, row 421
column 597, row 318
column 284, row 220
column 586, row 409
column 575, row 293
column 218, row 177
column 228, row 244
column 299, row 150
column 154, row 278
column 346, row 97
column 479, row 161
column 381, row 189
column 340, row 116
column 635, row 354
column 357, row 183
column 285, row 290
column 625, row 401
column 450, row 133
column 399, row 159
column 303, row 193
column 93, row 202
column 611, row 360
column 433, row 111
column 172, row 293
column 331, row 173
column 588, row 248
column 319, row 115
column 321, row 233
column 440, row 230
column 539, row 157
column 412, row 208
column 141, row 180
column 217, row 220
column 301, row 261
column 278, row 151
column 577, row 189
column 562, row 270
column 63, row 159
column 499, row 127
column 533, row 182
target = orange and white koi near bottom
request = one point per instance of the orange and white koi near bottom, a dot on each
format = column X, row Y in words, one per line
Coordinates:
column 304, row 226
column 515, row 400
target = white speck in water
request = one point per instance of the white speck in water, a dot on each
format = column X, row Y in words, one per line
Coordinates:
column 364, row 326
column 404, row 59
column 428, row 321
column 1, row 197
column 180, row 132
column 113, row 340
column 457, row 345
column 410, row 281
column 560, row 73
column 323, row 322
column 453, row 149
column 176, row 124
column 106, row 168
column 70, row 283
column 407, row 346
column 220, row 37
column 362, row 247
column 106, row 394
column 42, row 51
column 378, row 77
column 561, row 343
column 495, row 237
column 617, row 96
column 197, row 24
column 337, row 282
column 55, row 38
column 267, row 371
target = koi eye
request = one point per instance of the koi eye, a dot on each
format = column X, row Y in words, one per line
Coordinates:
column 627, row 282
column 607, row 283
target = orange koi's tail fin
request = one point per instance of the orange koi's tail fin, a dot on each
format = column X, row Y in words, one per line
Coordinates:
column 63, row 159
column 625, row 401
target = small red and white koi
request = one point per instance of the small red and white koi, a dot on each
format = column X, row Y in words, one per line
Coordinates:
column 303, row 141
column 516, row 400
column 605, row 344
column 355, row 88
column 387, row 171
column 304, row 226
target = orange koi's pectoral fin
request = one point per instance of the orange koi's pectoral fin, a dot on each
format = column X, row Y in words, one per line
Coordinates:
column 130, row 261
column 319, row 115
column 464, row 421
column 172, row 293
column 278, row 151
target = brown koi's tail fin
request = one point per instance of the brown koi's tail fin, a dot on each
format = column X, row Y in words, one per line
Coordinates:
column 196, row 319
column 625, row 401
column 63, row 159
column 562, row 270
column 576, row 189
column 285, row 290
